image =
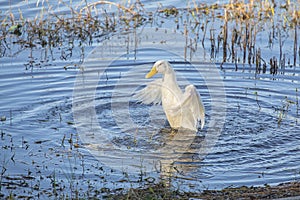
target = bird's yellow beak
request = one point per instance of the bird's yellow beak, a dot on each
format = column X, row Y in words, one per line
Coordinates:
column 152, row 72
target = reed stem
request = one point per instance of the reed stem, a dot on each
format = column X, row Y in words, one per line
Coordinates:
column 225, row 33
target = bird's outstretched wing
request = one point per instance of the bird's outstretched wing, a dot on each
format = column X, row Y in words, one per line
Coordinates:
column 151, row 93
column 193, row 100
column 191, row 108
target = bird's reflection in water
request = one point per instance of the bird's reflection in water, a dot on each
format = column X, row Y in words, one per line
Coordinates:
column 180, row 152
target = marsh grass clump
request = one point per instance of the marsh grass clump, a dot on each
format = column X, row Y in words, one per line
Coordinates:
column 229, row 30
column 252, row 19
column 240, row 25
column 50, row 30
column 285, row 108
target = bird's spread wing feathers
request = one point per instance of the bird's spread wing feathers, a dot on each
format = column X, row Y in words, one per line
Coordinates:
column 192, row 102
column 151, row 93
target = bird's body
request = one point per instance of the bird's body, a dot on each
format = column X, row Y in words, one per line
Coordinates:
column 183, row 110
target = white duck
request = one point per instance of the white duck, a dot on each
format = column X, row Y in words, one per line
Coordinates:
column 183, row 110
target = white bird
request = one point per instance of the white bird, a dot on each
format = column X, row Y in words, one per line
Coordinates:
column 183, row 110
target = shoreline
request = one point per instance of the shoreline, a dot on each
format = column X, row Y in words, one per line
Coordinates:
column 282, row 191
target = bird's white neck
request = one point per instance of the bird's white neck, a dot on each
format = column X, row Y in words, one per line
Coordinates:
column 169, row 80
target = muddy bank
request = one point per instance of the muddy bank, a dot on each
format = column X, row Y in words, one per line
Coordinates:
column 290, row 190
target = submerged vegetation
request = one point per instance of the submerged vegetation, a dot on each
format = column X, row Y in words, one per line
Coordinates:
column 232, row 32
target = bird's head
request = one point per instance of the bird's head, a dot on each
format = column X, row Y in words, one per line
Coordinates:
column 160, row 66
